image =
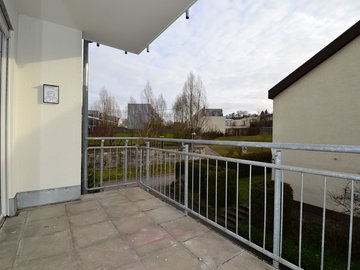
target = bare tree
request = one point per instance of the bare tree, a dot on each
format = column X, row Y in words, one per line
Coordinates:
column 148, row 117
column 343, row 199
column 189, row 106
column 109, row 113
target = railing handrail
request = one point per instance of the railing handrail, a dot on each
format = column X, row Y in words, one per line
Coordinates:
column 348, row 149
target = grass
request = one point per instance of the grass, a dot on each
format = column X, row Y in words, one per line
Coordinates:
column 235, row 151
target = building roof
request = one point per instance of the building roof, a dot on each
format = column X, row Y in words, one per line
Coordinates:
column 317, row 59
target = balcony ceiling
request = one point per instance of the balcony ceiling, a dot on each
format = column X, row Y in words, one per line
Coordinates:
column 129, row 25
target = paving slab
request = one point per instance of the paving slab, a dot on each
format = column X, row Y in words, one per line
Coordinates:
column 184, row 228
column 62, row 262
column 45, row 212
column 114, row 200
column 91, row 234
column 132, row 266
column 175, row 257
column 146, row 205
column 137, row 194
column 247, row 261
column 11, row 221
column 107, row 254
column 150, row 239
column 8, row 253
column 133, row 224
column 8, row 233
column 164, row 214
column 44, row 246
column 213, row 249
column 79, row 207
column 45, row 226
column 123, row 210
column 88, row 218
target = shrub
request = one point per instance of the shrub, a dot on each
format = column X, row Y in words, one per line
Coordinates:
column 257, row 205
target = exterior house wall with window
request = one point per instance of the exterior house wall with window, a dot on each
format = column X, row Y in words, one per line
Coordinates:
column 321, row 107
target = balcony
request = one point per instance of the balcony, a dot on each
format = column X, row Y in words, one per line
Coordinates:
column 119, row 229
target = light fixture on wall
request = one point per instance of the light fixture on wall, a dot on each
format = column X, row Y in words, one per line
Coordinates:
column 187, row 14
column 125, row 52
column 147, row 49
column 97, row 45
column 50, row 93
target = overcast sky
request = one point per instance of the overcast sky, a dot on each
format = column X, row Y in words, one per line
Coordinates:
column 240, row 49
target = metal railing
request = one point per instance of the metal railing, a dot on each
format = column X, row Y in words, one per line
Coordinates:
column 220, row 190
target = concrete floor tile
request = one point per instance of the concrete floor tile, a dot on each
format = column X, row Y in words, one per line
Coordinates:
column 87, row 218
column 46, row 226
column 44, row 246
column 132, row 224
column 184, row 228
column 45, row 212
column 61, row 262
column 164, row 214
column 174, row 258
column 79, row 207
column 247, row 261
column 113, row 201
column 133, row 266
column 107, row 255
column 150, row 239
column 107, row 194
column 88, row 235
column 9, row 233
column 88, row 197
column 123, row 210
column 212, row 248
column 8, row 253
column 137, row 194
column 146, row 205
column 11, row 221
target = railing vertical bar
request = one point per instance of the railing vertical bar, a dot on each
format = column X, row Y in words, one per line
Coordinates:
column 94, row 179
column 102, row 164
column 136, row 162
column 117, row 163
column 277, row 209
column 186, row 178
column 164, row 177
column 147, row 163
column 141, row 165
column 109, row 170
column 250, row 176
column 301, row 217
column 351, row 225
column 226, row 190
column 175, row 177
column 126, row 161
column 237, row 198
column 199, row 206
column 265, row 208
column 216, row 188
column 192, row 182
column 323, row 225
column 157, row 172
column 207, row 188
column 180, row 177
column 282, row 212
column 153, row 183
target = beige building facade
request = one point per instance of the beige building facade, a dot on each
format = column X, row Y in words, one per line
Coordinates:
column 319, row 104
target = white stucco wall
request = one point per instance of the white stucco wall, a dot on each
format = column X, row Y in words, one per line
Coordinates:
column 322, row 108
column 46, row 138
column 214, row 123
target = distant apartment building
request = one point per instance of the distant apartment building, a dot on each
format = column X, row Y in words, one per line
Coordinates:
column 213, row 120
column 138, row 115
column 235, row 127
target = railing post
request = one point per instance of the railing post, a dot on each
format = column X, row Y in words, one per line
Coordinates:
column 147, row 164
column 125, row 160
column 186, row 177
column 277, row 209
column 136, row 162
column 102, row 164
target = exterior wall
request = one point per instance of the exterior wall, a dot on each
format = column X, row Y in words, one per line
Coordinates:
column 46, row 138
column 214, row 123
column 321, row 108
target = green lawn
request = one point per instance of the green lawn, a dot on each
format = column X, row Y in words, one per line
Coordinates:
column 235, row 151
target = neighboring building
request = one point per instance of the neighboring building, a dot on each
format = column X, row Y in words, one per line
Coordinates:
column 138, row 115
column 42, row 42
column 236, row 127
column 96, row 118
column 319, row 104
column 213, row 120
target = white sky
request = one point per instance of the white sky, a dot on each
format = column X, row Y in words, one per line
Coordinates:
column 239, row 48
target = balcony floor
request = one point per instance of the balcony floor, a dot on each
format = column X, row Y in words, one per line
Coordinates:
column 122, row 229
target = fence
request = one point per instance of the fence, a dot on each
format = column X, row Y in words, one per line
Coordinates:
column 234, row 195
